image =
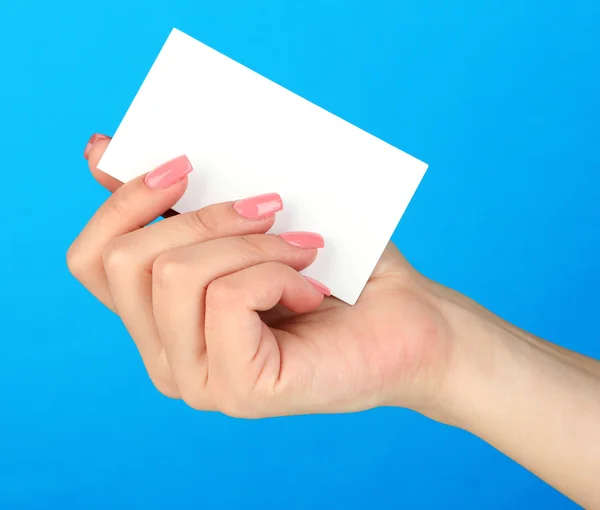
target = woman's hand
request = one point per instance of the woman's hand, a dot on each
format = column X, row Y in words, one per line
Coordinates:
column 224, row 320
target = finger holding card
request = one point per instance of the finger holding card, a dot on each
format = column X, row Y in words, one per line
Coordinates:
column 129, row 208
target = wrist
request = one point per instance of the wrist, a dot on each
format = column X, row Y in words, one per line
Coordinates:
column 486, row 354
column 498, row 374
column 530, row 399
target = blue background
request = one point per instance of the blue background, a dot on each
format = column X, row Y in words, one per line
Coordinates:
column 501, row 98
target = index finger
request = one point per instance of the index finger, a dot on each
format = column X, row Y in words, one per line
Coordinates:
column 94, row 151
column 130, row 207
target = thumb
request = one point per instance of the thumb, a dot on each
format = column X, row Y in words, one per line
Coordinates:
column 94, row 150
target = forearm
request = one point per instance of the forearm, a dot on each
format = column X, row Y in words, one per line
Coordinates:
column 534, row 401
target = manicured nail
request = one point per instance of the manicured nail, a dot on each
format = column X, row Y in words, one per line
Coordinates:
column 91, row 142
column 169, row 173
column 318, row 285
column 304, row 240
column 259, row 207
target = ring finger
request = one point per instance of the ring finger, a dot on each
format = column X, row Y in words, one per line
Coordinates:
column 180, row 281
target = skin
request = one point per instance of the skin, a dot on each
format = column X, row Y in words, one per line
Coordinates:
column 223, row 320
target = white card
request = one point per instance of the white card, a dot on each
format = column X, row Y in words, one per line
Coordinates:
column 246, row 135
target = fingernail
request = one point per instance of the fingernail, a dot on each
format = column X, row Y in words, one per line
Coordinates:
column 91, row 142
column 318, row 285
column 259, row 207
column 169, row 173
column 304, row 240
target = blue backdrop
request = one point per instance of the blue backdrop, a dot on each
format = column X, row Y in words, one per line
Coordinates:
column 500, row 97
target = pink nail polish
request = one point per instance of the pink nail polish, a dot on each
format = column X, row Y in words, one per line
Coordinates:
column 318, row 285
column 259, row 207
column 304, row 240
column 169, row 173
column 91, row 142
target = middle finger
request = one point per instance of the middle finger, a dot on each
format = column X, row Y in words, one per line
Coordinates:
column 129, row 259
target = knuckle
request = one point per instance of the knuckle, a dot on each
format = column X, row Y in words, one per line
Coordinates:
column 233, row 407
column 166, row 269
column 194, row 398
column 240, row 409
column 276, row 269
column 221, row 293
column 117, row 204
column 194, row 392
column 204, row 221
column 162, row 379
column 254, row 245
column 115, row 256
column 237, row 401
column 165, row 386
column 76, row 262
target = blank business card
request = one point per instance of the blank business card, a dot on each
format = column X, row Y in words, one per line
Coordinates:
column 245, row 135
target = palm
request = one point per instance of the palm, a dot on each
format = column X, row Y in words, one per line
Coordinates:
column 391, row 335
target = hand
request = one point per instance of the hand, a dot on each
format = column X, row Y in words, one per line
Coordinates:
column 223, row 319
